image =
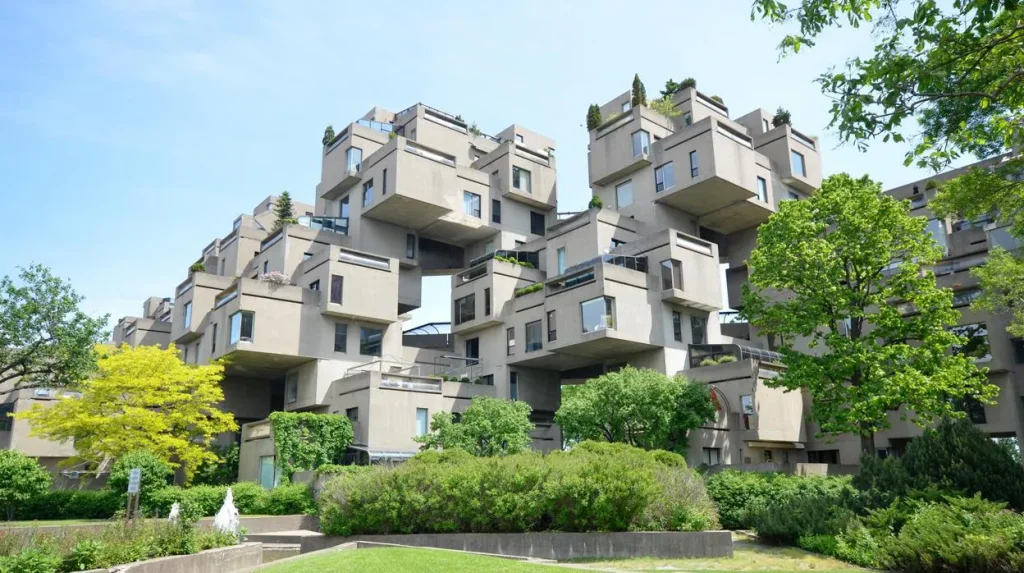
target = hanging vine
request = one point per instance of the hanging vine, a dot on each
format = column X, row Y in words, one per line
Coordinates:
column 306, row 441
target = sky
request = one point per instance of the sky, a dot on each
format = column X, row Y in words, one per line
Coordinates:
column 133, row 132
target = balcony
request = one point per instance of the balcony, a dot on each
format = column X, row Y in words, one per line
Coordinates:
column 520, row 174
column 691, row 277
column 194, row 299
column 794, row 157
column 331, row 224
column 421, row 188
column 480, row 293
column 704, row 355
column 353, row 284
column 613, row 152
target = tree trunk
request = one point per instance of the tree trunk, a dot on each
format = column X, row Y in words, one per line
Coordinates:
column 867, row 443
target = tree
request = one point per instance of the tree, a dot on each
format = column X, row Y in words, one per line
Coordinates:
column 45, row 337
column 155, row 473
column 687, row 83
column 593, row 116
column 488, row 427
column 665, row 107
column 640, row 407
column 222, row 472
column 827, row 271
column 671, row 88
column 638, row 94
column 284, row 212
column 782, row 117
column 143, row 398
column 328, row 134
column 21, row 479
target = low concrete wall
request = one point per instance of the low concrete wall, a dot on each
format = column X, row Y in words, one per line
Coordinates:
column 234, row 559
column 554, row 545
column 254, row 524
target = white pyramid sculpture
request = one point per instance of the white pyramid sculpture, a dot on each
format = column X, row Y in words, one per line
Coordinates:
column 226, row 520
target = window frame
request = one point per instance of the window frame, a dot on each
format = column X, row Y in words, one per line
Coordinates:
column 348, row 159
column 644, row 148
column 677, row 326
column 552, row 326
column 368, row 193
column 496, row 211
column 342, row 329
column 537, row 327
column 186, row 312
column 628, row 185
column 364, row 341
column 471, row 204
column 510, row 341
column 762, row 189
column 517, row 179
column 694, row 164
column 703, row 322
column 793, row 154
column 461, row 304
column 608, row 313
column 534, row 217
column 337, row 285
column 241, row 314
column 661, row 182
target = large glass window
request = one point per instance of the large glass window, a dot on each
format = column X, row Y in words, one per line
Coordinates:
column 533, row 336
column 641, row 142
column 536, row 223
column 337, row 287
column 370, row 341
column 552, row 330
column 242, row 323
column 188, row 314
column 513, row 386
column 473, row 351
column 762, row 190
column 624, row 194
column 937, row 228
column 353, row 159
column 510, row 341
column 343, row 208
column 699, row 329
column 798, row 163
column 269, row 473
column 747, row 409
column 465, row 309
column 598, row 314
column 560, row 256
column 521, row 179
column 712, row 456
column 977, row 345
column 664, row 177
column 495, row 210
column 471, row 204
column 340, row 337
column 368, row 193
column 422, row 422
column 694, row 171
column 677, row 326
column 671, row 275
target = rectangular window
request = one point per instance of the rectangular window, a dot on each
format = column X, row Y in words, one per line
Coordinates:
column 560, row 256
column 677, row 326
column 766, row 126
column 712, row 456
column 352, row 414
column 421, row 422
column 465, row 309
column 410, row 246
column 699, row 329
column 343, row 208
column 598, row 314
column 291, row 388
column 1018, row 350
column 510, row 341
column 687, row 119
column 798, row 163
column 552, row 330
column 471, row 204
column 268, row 472
column 664, row 177
column 188, row 314
column 823, row 457
column 473, row 351
column 315, row 285
column 213, row 341
column 487, row 380
column 370, row 340
column 536, row 223
column 762, row 190
column 487, row 302
column 671, row 274
column 626, row 106
column 495, row 210
column 746, row 409
column 513, row 386
column 793, row 196
column 353, row 159
column 977, row 345
column 242, row 326
column 624, row 194
column 384, row 183
column 693, row 164
column 6, row 422
column 974, row 409
column 340, row 337
column 533, row 336
column 489, row 247
column 641, row 143
column 337, row 288
column 367, row 193
column 184, row 359
column 266, row 267
column 521, row 179
column 519, row 138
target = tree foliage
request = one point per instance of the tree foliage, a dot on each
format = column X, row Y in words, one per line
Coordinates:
column 638, row 93
column 21, row 479
column 640, row 407
column 488, row 427
column 284, row 211
column 328, row 134
column 155, row 473
column 593, row 116
column 782, row 117
column 45, row 337
column 222, row 472
column 826, row 271
column 143, row 398
column 306, row 441
column 665, row 107
column 671, row 88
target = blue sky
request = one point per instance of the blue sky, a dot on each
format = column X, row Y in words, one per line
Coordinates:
column 132, row 132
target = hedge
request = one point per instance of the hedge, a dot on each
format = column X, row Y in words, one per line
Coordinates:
column 71, row 504
column 739, row 494
column 250, row 499
column 593, row 487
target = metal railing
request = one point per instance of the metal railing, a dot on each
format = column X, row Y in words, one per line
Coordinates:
column 376, row 125
column 522, row 256
column 630, row 262
column 333, row 224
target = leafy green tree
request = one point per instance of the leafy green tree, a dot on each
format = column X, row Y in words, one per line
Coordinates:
column 782, row 117
column 224, row 471
column 826, row 271
column 638, row 93
column 328, row 134
column 155, row 473
column 687, row 83
column 640, row 407
column 21, row 479
column 665, row 107
column 593, row 116
column 488, row 427
column 45, row 337
column 671, row 88
column 284, row 211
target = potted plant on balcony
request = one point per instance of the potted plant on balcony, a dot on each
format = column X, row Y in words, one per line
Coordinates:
column 197, row 268
column 595, row 202
column 328, row 135
column 687, row 83
column 781, row 117
column 593, row 116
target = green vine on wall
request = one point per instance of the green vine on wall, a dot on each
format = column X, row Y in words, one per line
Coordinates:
column 306, row 441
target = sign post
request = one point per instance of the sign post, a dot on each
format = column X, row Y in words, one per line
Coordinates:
column 134, row 481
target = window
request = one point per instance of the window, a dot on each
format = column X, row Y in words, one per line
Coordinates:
column 521, row 179
column 465, row 309
column 552, row 331
column 533, row 336
column 489, row 247
column 767, row 126
column 693, row 164
column 315, row 285
column 370, row 341
column 305, row 256
column 184, row 359
column 384, row 183
column 699, row 329
column 687, row 119
column 977, row 345
column 519, row 138
column 510, row 341
column 471, row 204
column 421, row 422
column 536, row 223
column 343, row 208
column 266, row 266
column 624, row 194
column 965, row 297
column 410, row 246
column 798, row 163
column 291, row 388
column 937, row 228
column 641, row 143
column 712, row 456
column 242, row 326
column 188, row 314
column 768, row 457
column 671, row 275
column 823, row 457
column 664, row 177
column 223, row 263
column 626, row 106
column 473, row 351
column 598, row 314
column 762, row 190
column 496, row 210
column 353, row 159
column 352, row 414
column 213, row 340
column 677, row 326
column 269, row 473
column 560, row 257
column 337, row 288
column 367, row 193
column 6, row 422
column 513, row 386
column 487, row 380
column 340, row 337
column 1018, row 350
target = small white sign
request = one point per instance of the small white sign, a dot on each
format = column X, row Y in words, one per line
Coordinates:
column 134, row 478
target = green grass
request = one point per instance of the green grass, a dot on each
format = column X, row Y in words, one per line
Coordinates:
column 396, row 560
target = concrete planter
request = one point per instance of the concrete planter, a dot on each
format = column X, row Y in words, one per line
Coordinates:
column 233, row 559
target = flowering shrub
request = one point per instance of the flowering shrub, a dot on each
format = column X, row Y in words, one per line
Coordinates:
column 276, row 278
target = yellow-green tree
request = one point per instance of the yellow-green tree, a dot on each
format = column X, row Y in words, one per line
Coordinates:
column 143, row 398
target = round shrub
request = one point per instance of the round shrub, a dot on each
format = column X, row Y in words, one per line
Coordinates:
column 740, row 495
column 156, row 473
column 21, row 479
column 290, row 499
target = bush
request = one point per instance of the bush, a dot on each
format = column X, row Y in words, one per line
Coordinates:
column 595, row 202
column 593, row 116
column 156, row 473
column 250, row 499
column 739, row 494
column 221, row 472
column 71, row 504
column 791, row 518
column 290, row 499
column 593, row 487
column 197, row 268
column 21, row 479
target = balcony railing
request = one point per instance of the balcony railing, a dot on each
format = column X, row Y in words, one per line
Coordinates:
column 333, row 224
column 376, row 125
column 950, row 267
column 802, row 138
column 522, row 256
column 711, row 354
column 629, row 262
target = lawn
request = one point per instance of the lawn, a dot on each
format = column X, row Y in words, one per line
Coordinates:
column 398, row 560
